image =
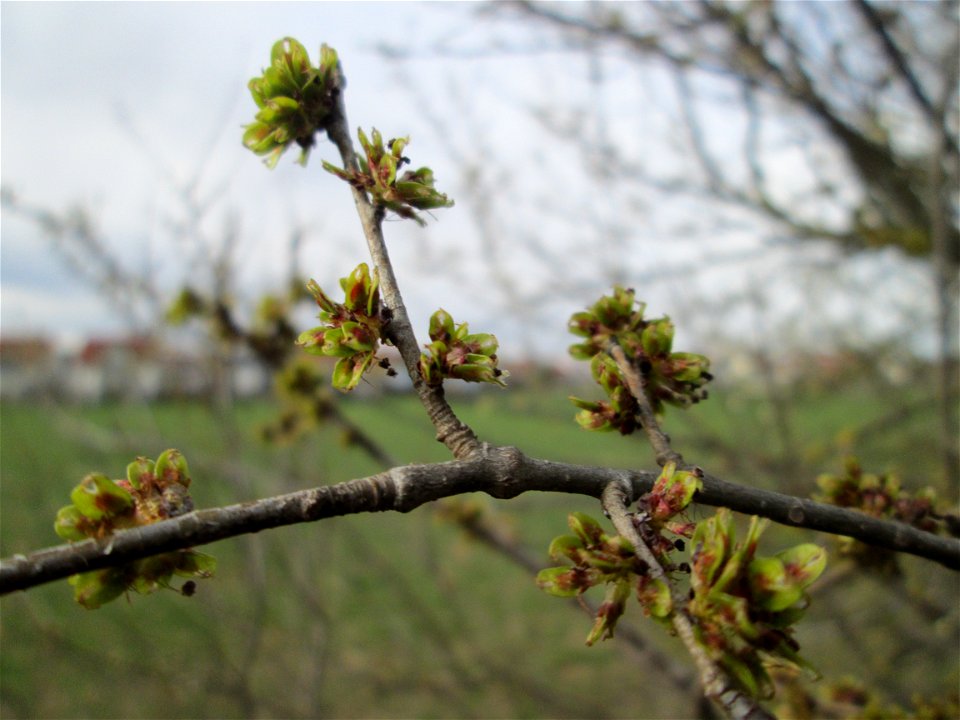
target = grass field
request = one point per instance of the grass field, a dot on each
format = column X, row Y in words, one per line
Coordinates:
column 403, row 615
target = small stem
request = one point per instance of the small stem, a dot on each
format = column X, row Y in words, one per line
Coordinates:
column 716, row 684
column 451, row 431
column 638, row 388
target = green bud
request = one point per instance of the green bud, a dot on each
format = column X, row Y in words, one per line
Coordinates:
column 804, row 563
column 594, row 421
column 654, row 595
column 348, row 370
column 98, row 497
column 743, row 674
column 586, row 528
column 672, row 492
column 140, row 471
column 657, row 337
column 688, row 367
column 583, row 351
column 772, row 589
column 171, row 467
column 582, row 324
column 609, row 612
column 711, row 543
column 561, row 581
column 96, row 588
column 71, row 524
column 153, row 573
column 441, row 326
column 357, row 338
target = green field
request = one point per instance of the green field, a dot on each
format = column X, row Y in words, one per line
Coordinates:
column 404, row 615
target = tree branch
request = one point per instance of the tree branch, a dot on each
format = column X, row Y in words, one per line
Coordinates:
column 648, row 418
column 451, row 431
column 501, row 472
column 899, row 61
column 717, row 685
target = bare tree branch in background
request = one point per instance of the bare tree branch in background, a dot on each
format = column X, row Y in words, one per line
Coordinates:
column 879, row 83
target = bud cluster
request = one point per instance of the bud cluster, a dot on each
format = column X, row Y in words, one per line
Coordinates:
column 612, row 561
column 601, row 559
column 403, row 194
column 882, row 497
column 152, row 491
column 743, row 605
column 300, row 386
column 351, row 330
column 294, row 100
column 455, row 353
column 849, row 698
column 669, row 377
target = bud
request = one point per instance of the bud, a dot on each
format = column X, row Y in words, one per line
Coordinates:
column 171, row 467
column 657, row 337
column 96, row 588
column 98, row 497
column 140, row 471
column 562, row 581
column 71, row 524
column 672, row 492
column 609, row 611
column 654, row 595
column 586, row 528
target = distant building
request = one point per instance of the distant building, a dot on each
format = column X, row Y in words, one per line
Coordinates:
column 27, row 367
column 137, row 369
column 107, row 369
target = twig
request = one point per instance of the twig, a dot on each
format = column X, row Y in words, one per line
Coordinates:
column 501, row 472
column 451, row 431
column 902, row 65
column 717, row 685
column 638, row 388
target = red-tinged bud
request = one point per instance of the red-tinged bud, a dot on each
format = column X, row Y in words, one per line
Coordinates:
column 97, row 497
column 140, row 472
column 171, row 467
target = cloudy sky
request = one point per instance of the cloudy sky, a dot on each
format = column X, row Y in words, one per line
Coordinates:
column 121, row 108
column 125, row 109
column 118, row 107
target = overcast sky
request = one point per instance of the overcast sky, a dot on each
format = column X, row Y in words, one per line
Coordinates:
column 117, row 107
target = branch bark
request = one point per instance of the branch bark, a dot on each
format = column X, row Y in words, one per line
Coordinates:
column 501, row 472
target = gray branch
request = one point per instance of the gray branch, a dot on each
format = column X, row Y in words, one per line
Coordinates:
column 501, row 472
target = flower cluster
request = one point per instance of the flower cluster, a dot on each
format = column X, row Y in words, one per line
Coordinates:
column 294, row 100
column 882, row 497
column 601, row 559
column 612, row 561
column 743, row 605
column 847, row 697
column 669, row 377
column 351, row 330
column 454, row 353
column 152, row 491
column 405, row 193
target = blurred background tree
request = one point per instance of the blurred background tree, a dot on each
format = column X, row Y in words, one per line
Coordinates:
column 839, row 123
